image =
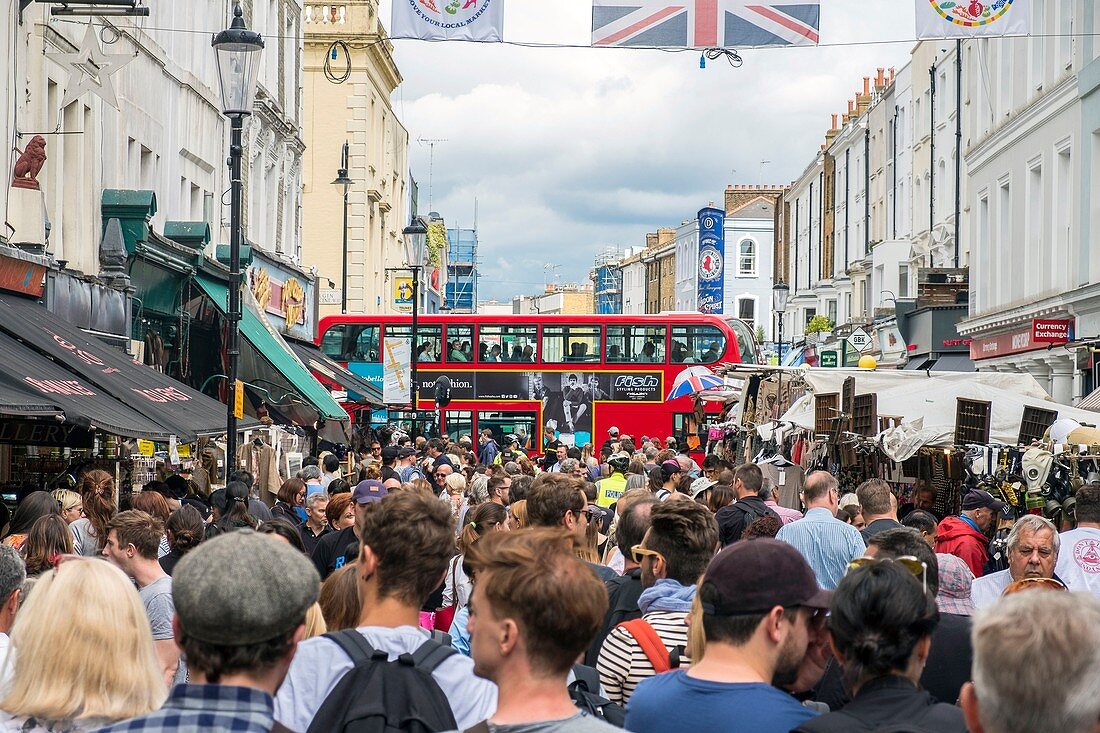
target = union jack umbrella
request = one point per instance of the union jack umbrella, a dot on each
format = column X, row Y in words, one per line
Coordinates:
column 705, row 23
column 694, row 380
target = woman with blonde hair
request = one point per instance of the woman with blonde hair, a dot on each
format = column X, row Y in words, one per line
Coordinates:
column 455, row 485
column 340, row 604
column 80, row 671
column 69, row 504
column 518, row 515
column 90, row 532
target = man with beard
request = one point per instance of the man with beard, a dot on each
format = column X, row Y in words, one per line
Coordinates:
column 760, row 606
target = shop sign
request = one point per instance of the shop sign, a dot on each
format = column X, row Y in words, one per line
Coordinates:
column 829, row 359
column 1003, row 344
column 22, row 277
column 1051, row 330
column 287, row 298
column 32, row 432
column 403, row 294
column 891, row 344
column 146, row 448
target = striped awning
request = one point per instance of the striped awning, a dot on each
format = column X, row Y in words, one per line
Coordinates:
column 1091, row 402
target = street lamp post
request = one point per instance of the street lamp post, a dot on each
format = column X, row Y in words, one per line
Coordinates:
column 237, row 50
column 415, row 235
column 343, row 180
column 780, row 291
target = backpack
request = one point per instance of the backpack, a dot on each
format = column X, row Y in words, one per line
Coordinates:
column 380, row 696
column 662, row 658
column 585, row 693
column 408, row 473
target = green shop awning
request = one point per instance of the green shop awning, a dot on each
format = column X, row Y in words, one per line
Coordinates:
column 267, row 341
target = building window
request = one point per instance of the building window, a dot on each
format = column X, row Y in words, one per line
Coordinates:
column 746, row 310
column 831, row 305
column 903, row 281
column 746, row 261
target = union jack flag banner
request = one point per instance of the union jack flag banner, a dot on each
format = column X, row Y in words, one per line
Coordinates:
column 705, row 23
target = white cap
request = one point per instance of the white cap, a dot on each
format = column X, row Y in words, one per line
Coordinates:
column 699, row 485
column 613, row 431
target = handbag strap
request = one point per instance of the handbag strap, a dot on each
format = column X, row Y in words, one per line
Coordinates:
column 651, row 644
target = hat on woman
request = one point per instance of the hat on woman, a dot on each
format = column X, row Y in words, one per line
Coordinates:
column 955, row 583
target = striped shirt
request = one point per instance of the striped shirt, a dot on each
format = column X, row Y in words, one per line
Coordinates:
column 827, row 543
column 622, row 663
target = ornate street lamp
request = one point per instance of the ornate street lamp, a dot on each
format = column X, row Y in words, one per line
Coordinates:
column 416, row 241
column 346, row 183
column 780, row 291
column 237, row 50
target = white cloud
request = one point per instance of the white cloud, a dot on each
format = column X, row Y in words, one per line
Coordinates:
column 568, row 150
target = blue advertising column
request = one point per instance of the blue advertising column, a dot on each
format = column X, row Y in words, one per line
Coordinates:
column 712, row 252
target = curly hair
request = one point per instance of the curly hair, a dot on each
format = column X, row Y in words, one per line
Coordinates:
column 98, row 489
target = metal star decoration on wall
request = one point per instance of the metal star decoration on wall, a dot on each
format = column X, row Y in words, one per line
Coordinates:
column 90, row 70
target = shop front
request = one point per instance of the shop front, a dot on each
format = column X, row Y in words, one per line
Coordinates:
column 1037, row 347
column 933, row 341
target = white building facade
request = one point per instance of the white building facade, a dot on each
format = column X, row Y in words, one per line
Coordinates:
column 1033, row 158
column 167, row 133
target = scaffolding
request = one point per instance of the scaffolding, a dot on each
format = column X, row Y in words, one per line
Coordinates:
column 462, row 270
column 608, row 281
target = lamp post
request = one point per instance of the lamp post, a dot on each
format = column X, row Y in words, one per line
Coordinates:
column 237, row 50
column 780, row 291
column 343, row 180
column 416, row 236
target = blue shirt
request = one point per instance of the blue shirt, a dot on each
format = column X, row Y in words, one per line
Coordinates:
column 206, row 707
column 827, row 543
column 675, row 701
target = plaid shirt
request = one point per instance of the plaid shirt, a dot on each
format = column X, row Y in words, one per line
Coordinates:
column 196, row 708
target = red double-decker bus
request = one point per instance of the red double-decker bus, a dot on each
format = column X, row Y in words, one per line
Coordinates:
column 517, row 374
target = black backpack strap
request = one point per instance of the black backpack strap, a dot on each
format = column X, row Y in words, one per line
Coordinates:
column 440, row 637
column 355, row 645
column 430, row 655
column 586, row 676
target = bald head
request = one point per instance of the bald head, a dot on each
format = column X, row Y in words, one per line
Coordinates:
column 820, row 491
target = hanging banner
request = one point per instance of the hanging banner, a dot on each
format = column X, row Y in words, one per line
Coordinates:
column 705, row 23
column 396, row 376
column 448, row 20
column 712, row 251
column 969, row 18
column 403, row 294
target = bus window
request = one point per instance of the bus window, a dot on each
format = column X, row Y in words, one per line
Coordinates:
column 519, row 424
column 636, row 344
column 429, row 340
column 459, row 423
column 506, row 343
column 746, row 341
column 351, row 342
column 460, row 341
column 696, row 345
column 570, row 343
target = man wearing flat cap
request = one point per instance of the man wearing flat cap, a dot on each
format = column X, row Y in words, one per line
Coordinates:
column 238, row 624
column 761, row 608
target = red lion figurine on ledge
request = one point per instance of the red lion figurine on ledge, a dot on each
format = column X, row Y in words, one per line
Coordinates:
column 28, row 164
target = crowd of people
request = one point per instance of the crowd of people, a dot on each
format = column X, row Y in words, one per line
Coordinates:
column 443, row 586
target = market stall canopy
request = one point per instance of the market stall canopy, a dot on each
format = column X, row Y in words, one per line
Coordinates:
column 332, row 372
column 178, row 409
column 45, row 385
column 274, row 350
column 20, row 402
column 936, row 402
column 824, row 381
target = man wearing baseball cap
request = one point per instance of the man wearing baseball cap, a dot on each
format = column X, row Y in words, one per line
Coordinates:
column 612, row 439
column 336, row 549
column 761, row 608
column 238, row 625
column 965, row 536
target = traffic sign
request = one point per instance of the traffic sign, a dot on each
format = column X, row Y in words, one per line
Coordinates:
column 860, row 340
column 829, row 359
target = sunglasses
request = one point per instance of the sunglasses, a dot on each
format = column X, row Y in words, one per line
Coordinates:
column 1033, row 583
column 914, row 565
column 638, row 553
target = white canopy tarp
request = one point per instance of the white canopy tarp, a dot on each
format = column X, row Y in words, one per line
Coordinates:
column 936, row 401
column 824, row 381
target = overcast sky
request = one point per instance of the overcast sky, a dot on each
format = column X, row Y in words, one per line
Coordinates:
column 570, row 150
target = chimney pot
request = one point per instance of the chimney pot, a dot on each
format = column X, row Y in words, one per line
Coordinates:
column 866, row 85
column 834, row 121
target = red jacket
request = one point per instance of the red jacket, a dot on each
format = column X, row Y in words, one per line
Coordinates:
column 957, row 537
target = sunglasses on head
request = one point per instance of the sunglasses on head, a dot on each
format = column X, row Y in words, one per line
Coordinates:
column 914, row 565
column 1033, row 583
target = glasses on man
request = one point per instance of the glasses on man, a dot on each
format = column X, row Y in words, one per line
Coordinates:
column 639, row 553
column 914, row 565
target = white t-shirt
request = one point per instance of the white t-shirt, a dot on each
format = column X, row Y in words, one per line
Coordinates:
column 988, row 589
column 7, row 662
column 319, row 664
column 1079, row 560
